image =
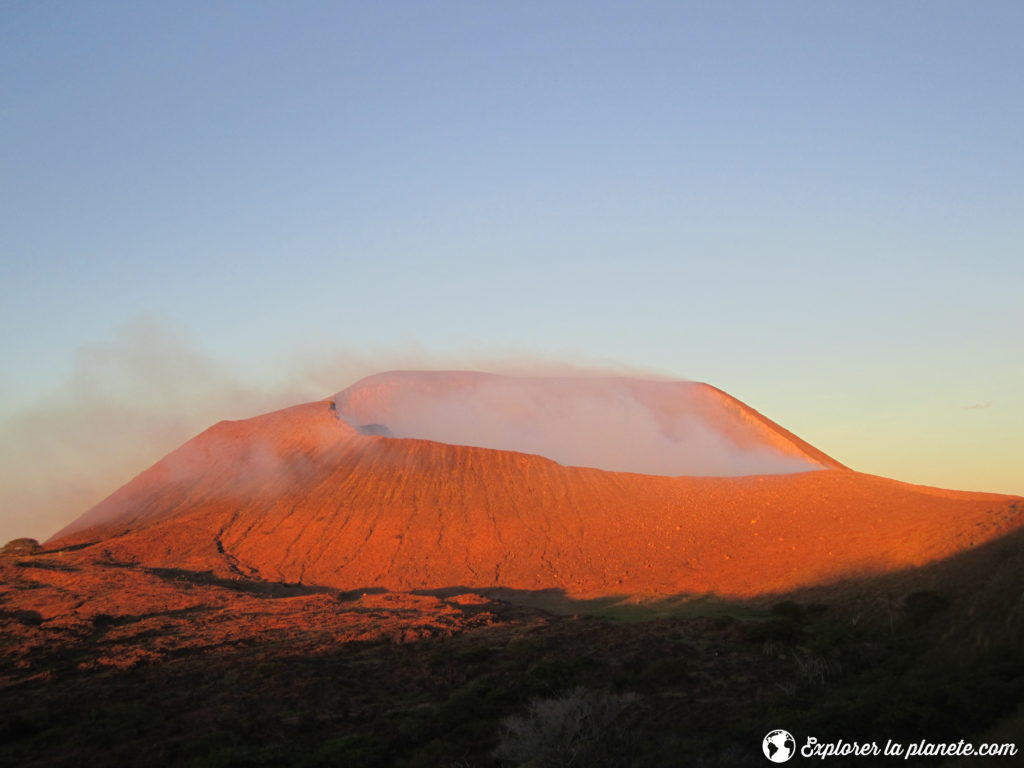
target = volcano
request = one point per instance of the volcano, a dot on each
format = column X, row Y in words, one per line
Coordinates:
column 593, row 486
column 407, row 572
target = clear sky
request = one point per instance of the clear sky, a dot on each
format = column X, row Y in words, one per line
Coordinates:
column 818, row 207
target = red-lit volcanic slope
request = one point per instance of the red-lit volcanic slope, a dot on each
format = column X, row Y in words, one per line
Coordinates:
column 323, row 494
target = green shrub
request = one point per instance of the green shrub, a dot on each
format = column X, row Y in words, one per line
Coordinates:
column 582, row 728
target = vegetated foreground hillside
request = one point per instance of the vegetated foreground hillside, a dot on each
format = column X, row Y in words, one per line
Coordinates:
column 108, row 663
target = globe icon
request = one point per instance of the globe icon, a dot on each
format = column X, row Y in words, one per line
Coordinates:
column 779, row 746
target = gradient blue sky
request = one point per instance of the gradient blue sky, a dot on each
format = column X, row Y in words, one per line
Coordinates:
column 818, row 207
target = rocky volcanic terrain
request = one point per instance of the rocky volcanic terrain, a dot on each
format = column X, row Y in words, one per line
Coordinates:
column 456, row 569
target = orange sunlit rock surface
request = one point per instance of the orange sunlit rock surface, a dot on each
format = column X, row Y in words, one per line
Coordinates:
column 301, row 496
column 79, row 610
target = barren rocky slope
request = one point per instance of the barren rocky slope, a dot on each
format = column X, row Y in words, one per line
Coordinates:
column 301, row 496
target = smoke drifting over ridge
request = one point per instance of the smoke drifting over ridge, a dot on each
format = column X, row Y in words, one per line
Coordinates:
column 612, row 423
column 125, row 402
column 131, row 399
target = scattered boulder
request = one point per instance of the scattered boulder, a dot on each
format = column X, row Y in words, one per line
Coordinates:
column 20, row 548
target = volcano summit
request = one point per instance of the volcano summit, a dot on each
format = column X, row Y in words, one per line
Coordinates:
column 618, row 424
